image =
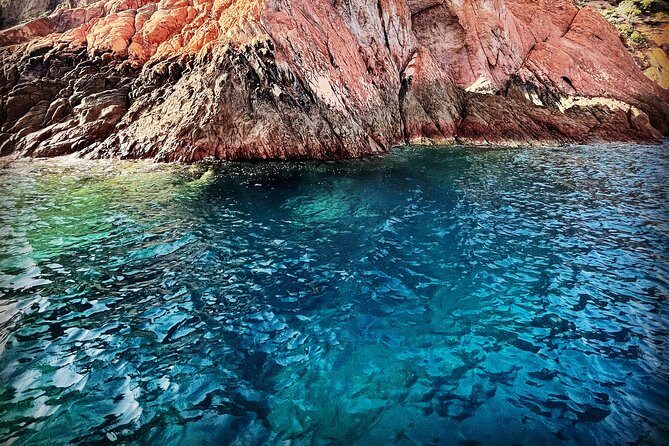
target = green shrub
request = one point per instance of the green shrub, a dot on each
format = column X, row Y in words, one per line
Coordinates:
column 626, row 29
column 646, row 4
column 629, row 9
column 637, row 38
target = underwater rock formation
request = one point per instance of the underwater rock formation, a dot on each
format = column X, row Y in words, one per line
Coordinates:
column 185, row 80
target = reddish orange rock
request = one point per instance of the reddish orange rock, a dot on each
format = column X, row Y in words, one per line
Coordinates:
column 191, row 79
column 590, row 60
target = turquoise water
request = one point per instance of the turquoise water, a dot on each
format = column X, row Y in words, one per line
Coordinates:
column 431, row 296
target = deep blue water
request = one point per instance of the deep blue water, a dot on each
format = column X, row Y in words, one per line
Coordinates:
column 431, row 296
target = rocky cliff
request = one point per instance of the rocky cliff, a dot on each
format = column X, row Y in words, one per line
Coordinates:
column 194, row 79
column 644, row 27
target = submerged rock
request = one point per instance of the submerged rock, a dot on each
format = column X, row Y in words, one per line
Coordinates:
column 193, row 79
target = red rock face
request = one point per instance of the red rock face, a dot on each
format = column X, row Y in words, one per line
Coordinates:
column 487, row 38
column 191, row 79
column 563, row 66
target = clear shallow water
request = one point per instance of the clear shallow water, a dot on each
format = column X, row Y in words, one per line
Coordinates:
column 427, row 297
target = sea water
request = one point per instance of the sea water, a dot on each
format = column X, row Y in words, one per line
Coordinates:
column 438, row 296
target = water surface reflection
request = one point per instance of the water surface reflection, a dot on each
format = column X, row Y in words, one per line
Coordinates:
column 427, row 297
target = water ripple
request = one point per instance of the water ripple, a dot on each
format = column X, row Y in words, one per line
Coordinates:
column 427, row 297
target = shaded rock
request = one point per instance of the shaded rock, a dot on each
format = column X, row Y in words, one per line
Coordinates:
column 492, row 119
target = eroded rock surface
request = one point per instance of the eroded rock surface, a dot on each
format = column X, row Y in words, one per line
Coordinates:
column 194, row 79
